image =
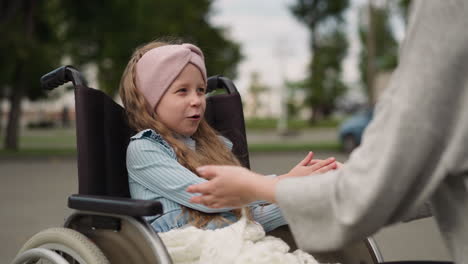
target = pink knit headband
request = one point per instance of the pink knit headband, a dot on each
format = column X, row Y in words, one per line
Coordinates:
column 159, row 67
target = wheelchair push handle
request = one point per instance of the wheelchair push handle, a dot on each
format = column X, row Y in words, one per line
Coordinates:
column 61, row 76
column 218, row 81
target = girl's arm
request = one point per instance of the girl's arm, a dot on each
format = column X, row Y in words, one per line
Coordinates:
column 151, row 164
column 232, row 186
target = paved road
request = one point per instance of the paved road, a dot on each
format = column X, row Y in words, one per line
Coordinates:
column 33, row 197
column 315, row 135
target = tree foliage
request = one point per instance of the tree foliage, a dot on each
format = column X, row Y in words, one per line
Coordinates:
column 325, row 83
column 106, row 33
column 29, row 46
column 255, row 90
column 37, row 35
column 315, row 12
column 403, row 8
column 386, row 46
column 324, row 19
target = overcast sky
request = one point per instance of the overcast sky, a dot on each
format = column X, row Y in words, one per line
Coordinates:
column 263, row 26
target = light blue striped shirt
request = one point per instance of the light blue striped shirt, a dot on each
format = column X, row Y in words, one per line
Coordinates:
column 155, row 174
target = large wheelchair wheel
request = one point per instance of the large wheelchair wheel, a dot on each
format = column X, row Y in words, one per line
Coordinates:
column 70, row 244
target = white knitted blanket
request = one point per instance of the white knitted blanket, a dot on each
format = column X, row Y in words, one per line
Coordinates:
column 240, row 243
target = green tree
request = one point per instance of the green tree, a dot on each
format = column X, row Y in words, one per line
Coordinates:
column 36, row 35
column 295, row 99
column 403, row 7
column 314, row 13
column 256, row 89
column 384, row 44
column 328, row 45
column 324, row 85
column 29, row 46
column 106, row 33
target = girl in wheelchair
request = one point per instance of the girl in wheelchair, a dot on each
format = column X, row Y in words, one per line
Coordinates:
column 163, row 90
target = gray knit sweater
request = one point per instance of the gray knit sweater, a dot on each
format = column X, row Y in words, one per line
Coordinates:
column 415, row 149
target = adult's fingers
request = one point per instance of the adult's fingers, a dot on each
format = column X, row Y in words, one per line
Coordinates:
column 196, row 199
column 216, row 206
column 208, row 200
column 203, row 188
column 208, row 172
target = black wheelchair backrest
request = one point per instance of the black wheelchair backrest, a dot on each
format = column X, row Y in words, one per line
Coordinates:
column 103, row 133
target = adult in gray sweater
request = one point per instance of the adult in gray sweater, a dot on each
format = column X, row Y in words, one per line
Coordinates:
column 415, row 150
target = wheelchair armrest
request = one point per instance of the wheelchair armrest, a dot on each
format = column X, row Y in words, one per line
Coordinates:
column 114, row 205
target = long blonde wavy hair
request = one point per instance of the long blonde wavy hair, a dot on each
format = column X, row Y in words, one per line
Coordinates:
column 209, row 149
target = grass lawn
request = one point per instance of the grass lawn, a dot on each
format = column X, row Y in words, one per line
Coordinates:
column 271, row 123
column 43, row 142
column 279, row 147
column 62, row 142
column 38, row 152
column 48, row 138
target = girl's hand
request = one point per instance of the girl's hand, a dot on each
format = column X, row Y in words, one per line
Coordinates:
column 309, row 166
column 231, row 186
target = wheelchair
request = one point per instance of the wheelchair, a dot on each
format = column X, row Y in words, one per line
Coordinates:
column 107, row 226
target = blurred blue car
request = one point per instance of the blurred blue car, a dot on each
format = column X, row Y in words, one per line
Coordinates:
column 351, row 130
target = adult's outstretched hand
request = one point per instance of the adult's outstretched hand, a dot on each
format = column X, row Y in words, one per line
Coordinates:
column 232, row 186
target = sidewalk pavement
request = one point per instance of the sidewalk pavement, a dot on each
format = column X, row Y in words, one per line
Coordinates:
column 34, row 192
column 310, row 135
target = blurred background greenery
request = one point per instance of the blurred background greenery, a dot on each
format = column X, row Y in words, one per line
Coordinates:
column 38, row 36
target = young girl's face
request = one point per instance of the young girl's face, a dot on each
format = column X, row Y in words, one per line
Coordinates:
column 182, row 106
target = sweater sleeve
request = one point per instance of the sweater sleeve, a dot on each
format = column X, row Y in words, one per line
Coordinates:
column 151, row 164
column 377, row 186
column 402, row 158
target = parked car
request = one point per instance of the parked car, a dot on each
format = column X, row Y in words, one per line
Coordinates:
column 351, row 130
